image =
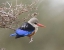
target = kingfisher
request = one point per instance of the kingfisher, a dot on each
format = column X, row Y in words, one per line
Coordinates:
column 28, row 29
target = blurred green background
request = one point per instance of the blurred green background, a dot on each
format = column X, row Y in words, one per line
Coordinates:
column 51, row 14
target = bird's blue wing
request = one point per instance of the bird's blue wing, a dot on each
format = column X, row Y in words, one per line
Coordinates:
column 23, row 32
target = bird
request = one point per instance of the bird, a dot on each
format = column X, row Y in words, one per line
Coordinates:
column 28, row 29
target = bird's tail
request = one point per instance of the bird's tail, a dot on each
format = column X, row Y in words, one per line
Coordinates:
column 14, row 34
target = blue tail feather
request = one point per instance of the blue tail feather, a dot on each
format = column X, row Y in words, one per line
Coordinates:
column 14, row 34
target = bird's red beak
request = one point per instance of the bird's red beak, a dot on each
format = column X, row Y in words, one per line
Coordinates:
column 40, row 25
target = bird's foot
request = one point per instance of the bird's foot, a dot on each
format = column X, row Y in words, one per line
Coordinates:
column 31, row 40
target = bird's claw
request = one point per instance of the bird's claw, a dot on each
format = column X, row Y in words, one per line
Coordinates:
column 31, row 40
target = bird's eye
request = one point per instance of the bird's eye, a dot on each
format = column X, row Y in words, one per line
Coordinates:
column 35, row 23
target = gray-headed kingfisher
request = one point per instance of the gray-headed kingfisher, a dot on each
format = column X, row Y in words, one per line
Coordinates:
column 28, row 29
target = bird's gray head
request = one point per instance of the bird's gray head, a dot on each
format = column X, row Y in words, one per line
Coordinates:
column 33, row 20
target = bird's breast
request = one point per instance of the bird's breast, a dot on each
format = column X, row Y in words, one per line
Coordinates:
column 31, row 34
column 36, row 29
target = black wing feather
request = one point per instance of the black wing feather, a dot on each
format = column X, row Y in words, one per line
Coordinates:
column 28, row 27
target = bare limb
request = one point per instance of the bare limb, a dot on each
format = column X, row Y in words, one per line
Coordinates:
column 9, row 16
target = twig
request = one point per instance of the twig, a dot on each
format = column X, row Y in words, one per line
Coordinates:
column 9, row 16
